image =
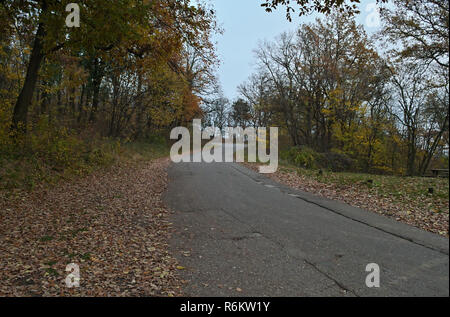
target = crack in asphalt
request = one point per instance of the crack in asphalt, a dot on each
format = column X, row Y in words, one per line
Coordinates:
column 283, row 248
column 413, row 264
column 343, row 215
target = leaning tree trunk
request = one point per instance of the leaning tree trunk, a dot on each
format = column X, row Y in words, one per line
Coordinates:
column 19, row 121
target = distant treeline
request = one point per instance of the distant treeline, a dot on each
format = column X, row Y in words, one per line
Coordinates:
column 381, row 103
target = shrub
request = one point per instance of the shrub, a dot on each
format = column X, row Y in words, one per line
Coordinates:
column 336, row 162
column 381, row 170
column 301, row 157
column 48, row 153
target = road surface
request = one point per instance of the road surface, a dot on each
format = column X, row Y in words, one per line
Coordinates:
column 239, row 233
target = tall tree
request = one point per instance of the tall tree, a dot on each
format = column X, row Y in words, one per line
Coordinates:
column 105, row 25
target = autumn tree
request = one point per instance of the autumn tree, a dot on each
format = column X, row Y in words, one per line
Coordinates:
column 419, row 29
column 217, row 113
column 331, row 89
column 436, row 117
column 107, row 29
column 321, row 77
column 257, row 92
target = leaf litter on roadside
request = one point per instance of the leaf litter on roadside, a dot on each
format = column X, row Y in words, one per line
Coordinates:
column 113, row 224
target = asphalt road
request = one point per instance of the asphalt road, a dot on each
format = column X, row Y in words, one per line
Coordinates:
column 239, row 233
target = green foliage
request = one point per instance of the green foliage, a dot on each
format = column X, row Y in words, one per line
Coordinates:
column 48, row 154
column 305, row 157
column 153, row 147
column 301, row 157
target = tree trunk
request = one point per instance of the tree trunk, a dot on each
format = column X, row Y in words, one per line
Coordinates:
column 309, row 126
column 19, row 121
column 81, row 105
column 97, row 80
column 412, row 151
column 430, row 153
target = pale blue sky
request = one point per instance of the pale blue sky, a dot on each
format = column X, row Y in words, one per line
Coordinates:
column 245, row 23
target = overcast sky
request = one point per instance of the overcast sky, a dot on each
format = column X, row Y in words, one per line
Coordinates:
column 245, row 23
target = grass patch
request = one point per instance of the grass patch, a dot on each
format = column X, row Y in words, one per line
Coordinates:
column 52, row 157
column 145, row 151
column 413, row 190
